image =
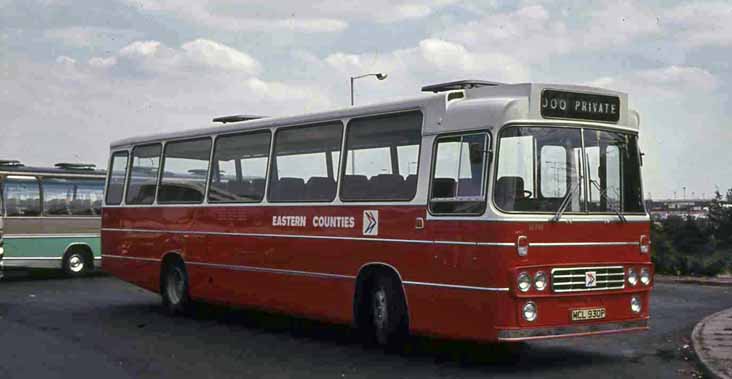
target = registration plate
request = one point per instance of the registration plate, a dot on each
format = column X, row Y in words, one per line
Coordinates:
column 588, row 314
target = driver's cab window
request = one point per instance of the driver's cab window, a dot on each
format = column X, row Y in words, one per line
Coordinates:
column 553, row 168
column 458, row 178
column 539, row 169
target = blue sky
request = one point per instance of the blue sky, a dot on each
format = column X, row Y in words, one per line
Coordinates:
column 77, row 74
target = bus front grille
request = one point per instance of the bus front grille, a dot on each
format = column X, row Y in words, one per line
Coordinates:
column 579, row 279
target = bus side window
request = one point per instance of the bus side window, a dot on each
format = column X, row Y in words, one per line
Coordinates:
column 22, row 196
column 458, row 180
column 72, row 197
column 143, row 175
column 184, row 171
column 304, row 165
column 117, row 174
column 239, row 167
column 381, row 159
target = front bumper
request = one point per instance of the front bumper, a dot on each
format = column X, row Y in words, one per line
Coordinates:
column 527, row 334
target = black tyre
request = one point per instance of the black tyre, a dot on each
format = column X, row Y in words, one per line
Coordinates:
column 77, row 263
column 174, row 289
column 387, row 312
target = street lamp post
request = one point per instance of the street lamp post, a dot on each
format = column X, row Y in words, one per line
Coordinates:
column 379, row 76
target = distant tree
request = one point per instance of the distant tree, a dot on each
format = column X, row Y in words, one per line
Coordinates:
column 729, row 195
column 720, row 220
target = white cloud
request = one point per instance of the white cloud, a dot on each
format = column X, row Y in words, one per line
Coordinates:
column 89, row 36
column 701, row 24
column 141, row 48
column 618, row 24
column 199, row 54
column 671, row 81
column 528, row 33
column 319, row 16
column 432, row 60
column 238, row 16
column 218, row 56
column 89, row 107
column 64, row 60
column 101, row 62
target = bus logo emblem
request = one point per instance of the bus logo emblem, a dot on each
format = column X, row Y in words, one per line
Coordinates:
column 371, row 223
column 590, row 279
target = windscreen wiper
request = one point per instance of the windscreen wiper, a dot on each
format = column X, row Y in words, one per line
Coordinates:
column 565, row 202
column 603, row 194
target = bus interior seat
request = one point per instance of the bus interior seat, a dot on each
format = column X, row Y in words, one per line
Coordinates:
column 97, row 207
column 468, row 187
column 443, row 187
column 80, row 207
column 257, row 186
column 355, row 186
column 288, row 189
column 320, row 188
column 238, row 189
column 145, row 193
column 11, row 206
column 386, row 185
column 114, row 191
column 509, row 189
column 410, row 186
column 57, row 207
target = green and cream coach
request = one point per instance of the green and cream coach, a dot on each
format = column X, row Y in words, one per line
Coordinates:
column 50, row 216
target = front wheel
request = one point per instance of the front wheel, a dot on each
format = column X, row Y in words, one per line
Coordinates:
column 76, row 264
column 387, row 313
column 174, row 289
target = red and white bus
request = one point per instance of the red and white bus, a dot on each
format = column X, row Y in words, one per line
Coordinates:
column 481, row 211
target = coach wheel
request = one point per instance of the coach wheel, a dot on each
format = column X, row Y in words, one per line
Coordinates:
column 387, row 312
column 76, row 264
column 176, row 298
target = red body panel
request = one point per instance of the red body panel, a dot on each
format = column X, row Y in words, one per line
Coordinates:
column 260, row 264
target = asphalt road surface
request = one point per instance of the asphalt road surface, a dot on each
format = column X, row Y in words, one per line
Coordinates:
column 99, row 327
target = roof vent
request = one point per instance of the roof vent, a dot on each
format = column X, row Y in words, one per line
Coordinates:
column 10, row 163
column 236, row 118
column 458, row 85
column 75, row 166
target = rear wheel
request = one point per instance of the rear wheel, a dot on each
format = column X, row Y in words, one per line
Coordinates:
column 387, row 312
column 174, row 289
column 77, row 263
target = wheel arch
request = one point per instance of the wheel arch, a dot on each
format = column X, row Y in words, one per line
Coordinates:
column 366, row 273
column 82, row 247
column 168, row 258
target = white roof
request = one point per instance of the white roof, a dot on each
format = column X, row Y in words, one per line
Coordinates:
column 483, row 107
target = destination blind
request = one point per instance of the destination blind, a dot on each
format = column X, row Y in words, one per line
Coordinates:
column 579, row 106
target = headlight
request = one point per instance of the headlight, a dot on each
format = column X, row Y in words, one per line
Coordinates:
column 540, row 281
column 632, row 277
column 529, row 311
column 524, row 282
column 635, row 304
column 645, row 276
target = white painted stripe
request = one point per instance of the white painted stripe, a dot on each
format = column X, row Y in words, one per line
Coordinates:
column 272, row 270
column 268, row 235
column 457, row 286
column 392, row 240
column 31, row 258
column 130, row 258
column 32, row 236
column 553, row 244
column 307, row 273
